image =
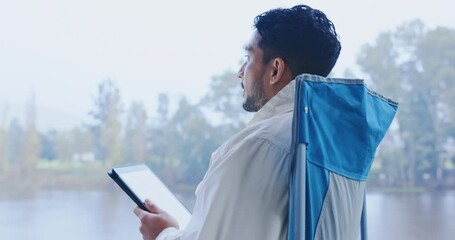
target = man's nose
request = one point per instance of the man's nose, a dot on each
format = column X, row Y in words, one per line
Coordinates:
column 240, row 72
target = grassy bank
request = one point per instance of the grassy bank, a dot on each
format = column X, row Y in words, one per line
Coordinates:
column 67, row 175
column 55, row 175
column 396, row 189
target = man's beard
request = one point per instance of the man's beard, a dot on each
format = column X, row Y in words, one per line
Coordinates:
column 257, row 100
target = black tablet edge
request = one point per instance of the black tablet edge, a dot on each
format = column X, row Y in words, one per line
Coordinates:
column 126, row 189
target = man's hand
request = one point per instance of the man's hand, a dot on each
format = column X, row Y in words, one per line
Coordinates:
column 153, row 222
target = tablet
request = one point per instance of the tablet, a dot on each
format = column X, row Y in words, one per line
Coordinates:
column 139, row 182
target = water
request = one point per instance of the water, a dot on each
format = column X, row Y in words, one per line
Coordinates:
column 411, row 216
column 49, row 215
column 73, row 215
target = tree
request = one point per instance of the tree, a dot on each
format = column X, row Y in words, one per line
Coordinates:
column 74, row 144
column 32, row 143
column 107, row 126
column 193, row 140
column 416, row 67
column 136, row 134
column 4, row 162
column 224, row 103
column 83, row 144
column 64, row 145
column 15, row 143
column 180, row 146
column 158, row 137
column 181, row 143
column 48, row 145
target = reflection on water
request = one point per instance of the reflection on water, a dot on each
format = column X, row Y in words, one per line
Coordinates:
column 411, row 216
column 72, row 215
column 56, row 215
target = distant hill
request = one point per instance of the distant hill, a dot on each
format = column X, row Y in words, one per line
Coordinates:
column 47, row 118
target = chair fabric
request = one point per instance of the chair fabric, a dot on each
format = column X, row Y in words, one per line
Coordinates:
column 337, row 127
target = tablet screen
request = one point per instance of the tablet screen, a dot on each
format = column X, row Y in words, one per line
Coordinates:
column 145, row 184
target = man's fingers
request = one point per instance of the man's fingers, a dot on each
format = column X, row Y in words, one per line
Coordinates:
column 153, row 222
column 153, row 208
column 139, row 212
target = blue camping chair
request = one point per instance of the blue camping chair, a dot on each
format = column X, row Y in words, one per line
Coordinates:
column 337, row 126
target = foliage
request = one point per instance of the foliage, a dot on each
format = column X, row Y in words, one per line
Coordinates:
column 15, row 143
column 181, row 145
column 107, row 127
column 4, row 161
column 225, row 98
column 31, row 139
column 176, row 145
column 412, row 64
column 135, row 140
column 416, row 67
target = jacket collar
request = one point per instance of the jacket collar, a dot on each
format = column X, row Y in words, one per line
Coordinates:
column 281, row 103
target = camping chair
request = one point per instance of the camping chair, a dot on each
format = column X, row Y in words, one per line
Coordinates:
column 337, row 126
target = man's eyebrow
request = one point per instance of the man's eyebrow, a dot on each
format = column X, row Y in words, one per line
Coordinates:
column 247, row 48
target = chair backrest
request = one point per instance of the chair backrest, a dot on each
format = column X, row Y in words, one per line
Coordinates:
column 337, row 127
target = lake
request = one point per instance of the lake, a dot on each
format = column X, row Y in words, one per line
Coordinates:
column 98, row 215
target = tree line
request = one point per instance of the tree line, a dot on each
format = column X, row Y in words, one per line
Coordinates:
column 177, row 144
column 416, row 66
column 412, row 64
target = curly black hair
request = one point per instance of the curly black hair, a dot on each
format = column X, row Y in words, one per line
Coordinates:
column 302, row 36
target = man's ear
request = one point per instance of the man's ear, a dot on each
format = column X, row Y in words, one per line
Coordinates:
column 278, row 68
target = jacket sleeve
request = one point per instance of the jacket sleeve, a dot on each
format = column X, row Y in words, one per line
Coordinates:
column 170, row 233
column 244, row 194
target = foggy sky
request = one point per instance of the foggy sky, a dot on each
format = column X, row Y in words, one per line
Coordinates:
column 61, row 50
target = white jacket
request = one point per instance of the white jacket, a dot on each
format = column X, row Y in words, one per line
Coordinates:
column 244, row 194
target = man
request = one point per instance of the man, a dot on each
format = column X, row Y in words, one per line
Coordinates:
column 244, row 194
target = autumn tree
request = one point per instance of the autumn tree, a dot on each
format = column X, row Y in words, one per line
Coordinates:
column 32, row 141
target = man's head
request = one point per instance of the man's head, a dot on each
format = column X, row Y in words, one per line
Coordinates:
column 287, row 42
column 302, row 36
